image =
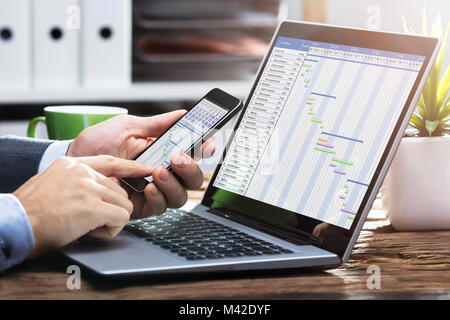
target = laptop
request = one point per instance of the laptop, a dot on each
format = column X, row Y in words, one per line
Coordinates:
column 298, row 176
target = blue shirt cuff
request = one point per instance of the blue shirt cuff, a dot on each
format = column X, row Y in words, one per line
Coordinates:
column 16, row 235
column 54, row 151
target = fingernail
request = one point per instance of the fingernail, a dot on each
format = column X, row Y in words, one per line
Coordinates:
column 164, row 175
column 154, row 191
column 181, row 160
column 209, row 151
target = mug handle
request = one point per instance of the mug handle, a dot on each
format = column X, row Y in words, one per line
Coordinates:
column 31, row 131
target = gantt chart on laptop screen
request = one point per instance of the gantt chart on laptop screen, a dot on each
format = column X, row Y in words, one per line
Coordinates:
column 316, row 127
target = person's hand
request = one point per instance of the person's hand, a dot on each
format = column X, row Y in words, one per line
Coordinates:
column 74, row 197
column 126, row 137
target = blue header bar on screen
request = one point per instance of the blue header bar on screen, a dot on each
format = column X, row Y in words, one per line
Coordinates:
column 305, row 45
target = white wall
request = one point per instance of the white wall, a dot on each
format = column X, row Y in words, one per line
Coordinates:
column 295, row 11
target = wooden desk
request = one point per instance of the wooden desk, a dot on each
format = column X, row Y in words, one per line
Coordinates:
column 412, row 264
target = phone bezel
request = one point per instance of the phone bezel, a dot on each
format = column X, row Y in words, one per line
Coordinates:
column 216, row 96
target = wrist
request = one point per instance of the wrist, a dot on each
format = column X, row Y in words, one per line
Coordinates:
column 34, row 213
column 81, row 146
column 74, row 149
column 70, row 150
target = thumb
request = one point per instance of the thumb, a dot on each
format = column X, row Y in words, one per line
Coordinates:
column 110, row 166
column 156, row 125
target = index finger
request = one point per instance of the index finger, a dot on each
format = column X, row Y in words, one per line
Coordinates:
column 116, row 167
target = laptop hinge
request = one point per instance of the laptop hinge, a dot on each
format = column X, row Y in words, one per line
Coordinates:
column 294, row 236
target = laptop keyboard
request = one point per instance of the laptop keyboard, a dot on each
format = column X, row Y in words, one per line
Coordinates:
column 196, row 238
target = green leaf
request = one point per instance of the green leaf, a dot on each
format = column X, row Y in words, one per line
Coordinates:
column 430, row 95
column 444, row 43
column 432, row 116
column 431, row 126
column 417, row 118
column 421, row 106
column 417, row 122
column 444, row 86
column 445, row 112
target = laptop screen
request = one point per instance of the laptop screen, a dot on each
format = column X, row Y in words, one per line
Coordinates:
column 316, row 127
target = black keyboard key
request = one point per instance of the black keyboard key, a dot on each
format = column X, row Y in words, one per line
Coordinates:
column 194, row 248
column 222, row 251
column 184, row 253
column 214, row 256
column 195, row 258
column 194, row 238
column 258, row 248
column 253, row 253
column 202, row 252
column 233, row 255
column 177, row 250
column 167, row 237
column 180, row 241
column 168, row 246
column 269, row 252
column 159, row 242
column 276, row 248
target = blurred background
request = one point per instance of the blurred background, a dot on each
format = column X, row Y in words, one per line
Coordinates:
column 169, row 52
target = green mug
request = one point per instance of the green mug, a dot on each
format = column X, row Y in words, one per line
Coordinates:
column 66, row 122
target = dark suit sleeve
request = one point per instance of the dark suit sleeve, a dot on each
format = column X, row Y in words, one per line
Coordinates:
column 19, row 160
column 3, row 259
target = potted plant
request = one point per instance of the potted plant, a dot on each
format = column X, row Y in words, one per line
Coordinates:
column 416, row 192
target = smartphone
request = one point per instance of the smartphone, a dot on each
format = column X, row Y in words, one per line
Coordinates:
column 208, row 115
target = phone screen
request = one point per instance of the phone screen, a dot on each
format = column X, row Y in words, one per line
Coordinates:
column 184, row 134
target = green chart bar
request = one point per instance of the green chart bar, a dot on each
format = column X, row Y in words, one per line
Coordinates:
column 323, row 150
column 343, row 162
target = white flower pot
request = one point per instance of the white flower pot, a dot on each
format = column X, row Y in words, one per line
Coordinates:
column 416, row 191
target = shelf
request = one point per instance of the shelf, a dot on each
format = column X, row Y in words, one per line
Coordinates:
column 253, row 21
column 138, row 92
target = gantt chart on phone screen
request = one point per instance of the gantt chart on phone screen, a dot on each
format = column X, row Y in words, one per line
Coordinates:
column 183, row 134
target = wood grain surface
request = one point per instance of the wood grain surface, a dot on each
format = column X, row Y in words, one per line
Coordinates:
column 412, row 264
